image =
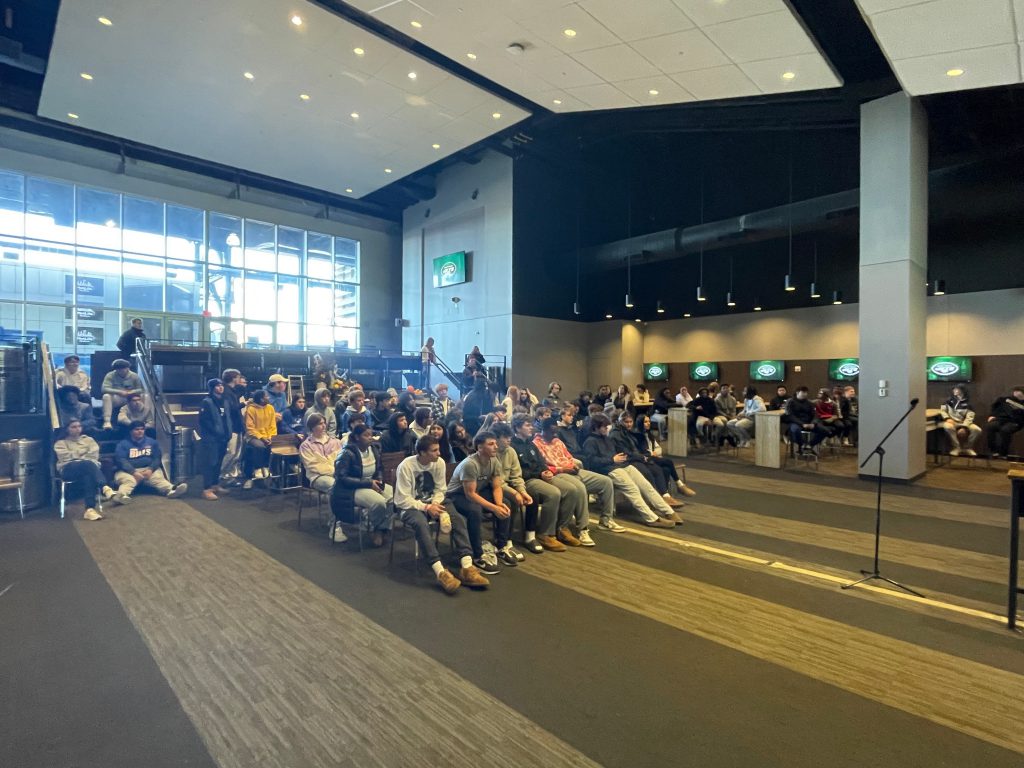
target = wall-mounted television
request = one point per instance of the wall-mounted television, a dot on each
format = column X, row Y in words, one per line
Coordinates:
column 844, row 369
column 768, row 370
column 655, row 371
column 703, row 371
column 949, row 368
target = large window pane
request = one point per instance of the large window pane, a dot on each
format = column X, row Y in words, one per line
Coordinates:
column 99, row 278
column 50, row 210
column 12, row 204
column 231, row 332
column 144, row 282
column 260, row 246
column 319, row 303
column 289, row 308
column 346, row 305
column 98, row 222
column 184, row 330
column 346, row 338
column 49, row 320
column 49, row 272
column 259, row 334
column 320, row 255
column 346, row 260
column 184, row 232
column 288, row 335
column 184, row 287
column 10, row 319
column 290, row 249
column 12, row 268
column 319, row 336
column 225, row 292
column 143, row 226
column 260, row 296
column 225, row 240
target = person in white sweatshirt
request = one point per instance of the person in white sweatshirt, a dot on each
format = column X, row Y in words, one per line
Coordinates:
column 419, row 497
column 78, row 461
column 318, row 453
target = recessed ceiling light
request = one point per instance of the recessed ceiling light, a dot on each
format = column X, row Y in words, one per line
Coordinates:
column 72, row 115
column 652, row 92
column 297, row 20
column 349, row 190
column 86, row 76
column 358, row 51
column 412, row 75
column 248, row 75
column 416, row 24
column 105, row 21
column 954, row 72
column 304, row 96
column 569, row 32
column 436, row 146
column 556, row 102
column 354, row 115
column 496, row 115
column 788, row 75
column 387, row 170
column 471, row 56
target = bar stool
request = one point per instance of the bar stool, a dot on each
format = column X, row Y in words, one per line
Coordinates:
column 9, row 484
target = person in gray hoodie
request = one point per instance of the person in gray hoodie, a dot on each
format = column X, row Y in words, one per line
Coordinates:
column 117, row 386
column 78, row 461
column 322, row 405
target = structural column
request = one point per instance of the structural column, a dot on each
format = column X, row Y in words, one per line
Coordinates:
column 893, row 269
column 632, row 355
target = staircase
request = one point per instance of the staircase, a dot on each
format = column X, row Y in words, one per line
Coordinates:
column 448, row 373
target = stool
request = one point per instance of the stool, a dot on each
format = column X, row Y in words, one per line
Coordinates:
column 9, row 484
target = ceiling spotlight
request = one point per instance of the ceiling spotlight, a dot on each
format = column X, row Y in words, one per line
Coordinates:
column 569, row 32
column 700, row 293
column 687, row 314
column 789, row 284
column 86, row 76
column 652, row 92
column 436, row 146
column 661, row 308
column 297, row 20
column 955, row 72
column 788, row 75
column 348, row 190
column 939, row 288
column 354, row 115
column 416, row 24
column 358, row 51
column 557, row 102
column 636, row 319
column 496, row 115
column 815, row 293
column 629, row 301
column 471, row 56
column 729, row 300
column 248, row 75
column 607, row 317
column 387, row 170
column 757, row 307
column 837, row 297
column 304, row 96
column 72, row 115
column 412, row 75
column 105, row 21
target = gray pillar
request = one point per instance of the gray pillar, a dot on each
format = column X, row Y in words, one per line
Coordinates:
column 893, row 269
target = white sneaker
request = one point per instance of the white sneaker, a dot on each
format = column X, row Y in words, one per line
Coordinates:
column 586, row 540
column 107, row 492
column 337, row 535
column 122, row 498
column 247, row 485
column 107, row 425
column 611, row 525
column 955, row 452
column 179, row 490
column 446, row 523
column 92, row 514
column 970, row 452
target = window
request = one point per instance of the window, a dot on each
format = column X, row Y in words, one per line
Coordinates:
column 98, row 219
column 144, row 282
column 50, row 210
column 143, row 230
column 98, row 278
column 185, row 233
column 12, row 204
column 184, row 287
column 225, row 240
column 346, row 260
column 224, row 291
column 260, row 296
column 12, row 268
column 291, row 246
column 260, row 246
column 49, row 272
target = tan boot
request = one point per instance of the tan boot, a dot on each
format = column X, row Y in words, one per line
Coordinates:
column 447, row 581
column 566, row 537
column 551, row 544
column 661, row 522
column 472, row 578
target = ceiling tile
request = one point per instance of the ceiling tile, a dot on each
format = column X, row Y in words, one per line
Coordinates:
column 617, row 62
column 450, row 95
column 681, row 52
column 547, row 98
column 877, row 6
column 728, row 82
column 633, row 21
column 704, row 13
column 602, row 96
column 811, row 72
column 983, row 68
column 550, row 26
column 943, row 25
column 559, row 71
column 668, row 90
column 761, row 37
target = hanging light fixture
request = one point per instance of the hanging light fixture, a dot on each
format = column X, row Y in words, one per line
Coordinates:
column 629, row 285
column 939, row 288
column 815, row 293
column 700, row 285
column 837, row 297
column 729, row 300
column 789, row 272
column 661, row 308
column 757, row 305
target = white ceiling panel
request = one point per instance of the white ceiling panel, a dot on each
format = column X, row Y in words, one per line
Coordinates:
column 596, row 53
column 717, row 83
column 169, row 79
column 949, row 45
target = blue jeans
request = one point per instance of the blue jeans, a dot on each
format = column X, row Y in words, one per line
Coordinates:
column 818, row 433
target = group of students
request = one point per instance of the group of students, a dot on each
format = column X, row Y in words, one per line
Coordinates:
column 958, row 422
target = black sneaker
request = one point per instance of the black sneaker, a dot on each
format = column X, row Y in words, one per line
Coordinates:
column 533, row 546
column 484, row 567
column 508, row 558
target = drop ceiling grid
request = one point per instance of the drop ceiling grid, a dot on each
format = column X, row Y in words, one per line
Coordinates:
column 949, row 45
column 175, row 80
column 616, row 45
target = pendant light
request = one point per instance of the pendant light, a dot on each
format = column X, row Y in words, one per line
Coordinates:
column 938, row 287
column 661, row 308
column 729, row 300
column 815, row 293
column 576, row 304
column 837, row 297
column 629, row 284
column 700, row 285
column 789, row 285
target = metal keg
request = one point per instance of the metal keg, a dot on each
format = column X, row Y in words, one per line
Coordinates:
column 182, row 445
column 25, row 460
column 13, row 385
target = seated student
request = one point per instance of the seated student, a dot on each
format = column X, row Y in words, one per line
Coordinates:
column 438, row 432
column 604, row 394
column 642, row 402
column 318, row 452
column 260, row 427
column 440, row 403
column 277, row 394
column 621, row 435
column 459, row 441
column 683, row 397
column 562, row 437
column 622, row 399
column 356, row 403
column 778, row 403
column 511, row 400
column 398, row 437
column 322, row 407
column 421, row 422
column 419, row 497
column 293, row 420
column 849, row 410
column 543, row 500
column 70, row 375
column 958, row 417
column 138, row 408
column 527, row 399
column 214, row 431
column 583, row 401
column 601, row 455
column 407, row 405
column 1007, row 417
column 138, row 460
column 515, row 493
column 496, row 416
column 357, row 418
column 70, row 407
column 78, row 460
column 800, row 416
column 742, row 427
column 117, row 386
column 725, row 404
column 358, row 482
column 380, row 414
column 554, row 396
column 703, row 414
column 663, row 401
column 647, row 443
column 475, row 488
column 584, row 429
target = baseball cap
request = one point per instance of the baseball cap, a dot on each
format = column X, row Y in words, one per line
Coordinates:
column 276, row 378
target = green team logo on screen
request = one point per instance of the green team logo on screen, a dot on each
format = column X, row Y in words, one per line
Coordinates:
column 702, row 370
column 945, row 368
column 766, row 369
column 655, row 371
column 844, row 368
column 450, row 269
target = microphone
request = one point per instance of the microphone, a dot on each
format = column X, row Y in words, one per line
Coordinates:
column 914, row 402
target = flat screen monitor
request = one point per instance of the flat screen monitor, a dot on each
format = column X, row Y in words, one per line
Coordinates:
column 949, row 368
column 768, row 370
column 655, row 371
column 844, row 369
column 703, row 371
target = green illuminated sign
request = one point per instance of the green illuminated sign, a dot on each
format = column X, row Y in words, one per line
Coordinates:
column 703, row 371
column 946, row 368
column 767, row 370
column 655, row 372
column 450, row 269
column 844, row 369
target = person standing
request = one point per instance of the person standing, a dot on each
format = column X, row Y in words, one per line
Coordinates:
column 214, row 432
column 427, row 359
column 126, row 343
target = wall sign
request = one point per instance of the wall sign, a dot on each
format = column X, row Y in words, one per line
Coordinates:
column 85, row 288
column 450, row 269
column 87, row 336
column 947, row 368
column 767, row 370
column 655, row 372
column 844, row 369
column 83, row 313
column 703, row 371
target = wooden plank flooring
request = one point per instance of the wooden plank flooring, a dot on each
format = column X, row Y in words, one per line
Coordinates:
column 274, row 672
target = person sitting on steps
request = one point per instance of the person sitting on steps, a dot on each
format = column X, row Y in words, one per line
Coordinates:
column 118, row 384
column 139, row 462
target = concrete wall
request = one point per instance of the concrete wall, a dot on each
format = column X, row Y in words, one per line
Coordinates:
column 457, row 222
column 545, row 350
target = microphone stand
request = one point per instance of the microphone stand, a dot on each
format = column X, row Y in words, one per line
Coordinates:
column 875, row 573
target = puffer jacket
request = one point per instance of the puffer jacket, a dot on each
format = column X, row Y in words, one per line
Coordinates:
column 348, row 478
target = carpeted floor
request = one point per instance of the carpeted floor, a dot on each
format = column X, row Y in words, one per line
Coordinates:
column 218, row 633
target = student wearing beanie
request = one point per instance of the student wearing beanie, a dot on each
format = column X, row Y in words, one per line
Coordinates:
column 214, row 432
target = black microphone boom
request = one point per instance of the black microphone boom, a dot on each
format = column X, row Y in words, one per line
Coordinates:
column 914, row 402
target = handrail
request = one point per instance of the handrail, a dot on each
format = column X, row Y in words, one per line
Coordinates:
column 49, row 385
column 151, row 384
column 448, row 373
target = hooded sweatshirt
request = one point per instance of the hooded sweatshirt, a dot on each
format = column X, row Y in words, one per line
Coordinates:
column 81, row 448
column 394, row 441
column 114, row 384
column 126, row 415
column 324, row 410
column 131, row 456
column 318, row 456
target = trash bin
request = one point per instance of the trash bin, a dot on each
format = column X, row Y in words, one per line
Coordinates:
column 24, row 460
column 182, row 456
column 13, row 384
